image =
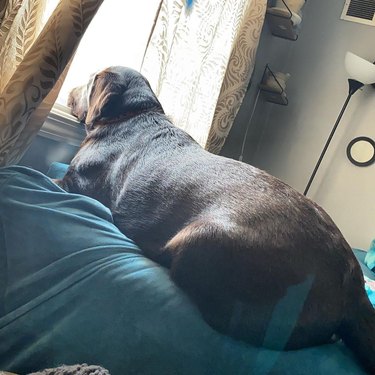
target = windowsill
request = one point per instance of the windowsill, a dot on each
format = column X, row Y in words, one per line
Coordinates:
column 61, row 126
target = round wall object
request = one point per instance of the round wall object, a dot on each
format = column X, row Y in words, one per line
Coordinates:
column 361, row 151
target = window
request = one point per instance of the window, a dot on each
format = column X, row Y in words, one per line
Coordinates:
column 117, row 35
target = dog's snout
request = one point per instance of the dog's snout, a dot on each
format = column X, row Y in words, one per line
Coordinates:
column 71, row 102
column 77, row 103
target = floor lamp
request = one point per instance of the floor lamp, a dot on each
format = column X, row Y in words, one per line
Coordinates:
column 361, row 72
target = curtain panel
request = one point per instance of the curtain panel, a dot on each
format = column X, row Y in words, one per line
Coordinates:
column 34, row 60
column 199, row 61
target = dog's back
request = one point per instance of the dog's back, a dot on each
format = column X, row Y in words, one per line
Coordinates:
column 262, row 262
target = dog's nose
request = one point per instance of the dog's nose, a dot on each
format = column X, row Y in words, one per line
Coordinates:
column 70, row 101
column 72, row 95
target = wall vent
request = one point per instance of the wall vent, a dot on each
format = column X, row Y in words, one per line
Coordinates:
column 361, row 11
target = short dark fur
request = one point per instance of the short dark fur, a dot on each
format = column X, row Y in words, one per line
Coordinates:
column 235, row 238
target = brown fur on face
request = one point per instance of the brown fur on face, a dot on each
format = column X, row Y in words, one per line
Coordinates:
column 77, row 102
column 249, row 250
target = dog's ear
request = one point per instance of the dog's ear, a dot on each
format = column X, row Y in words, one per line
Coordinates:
column 104, row 98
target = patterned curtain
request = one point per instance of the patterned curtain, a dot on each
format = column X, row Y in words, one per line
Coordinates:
column 34, row 59
column 199, row 61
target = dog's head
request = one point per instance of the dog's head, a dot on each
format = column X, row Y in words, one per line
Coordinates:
column 114, row 93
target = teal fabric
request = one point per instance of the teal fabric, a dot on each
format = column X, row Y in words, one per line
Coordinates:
column 370, row 256
column 57, row 170
column 74, row 289
column 362, row 257
column 368, row 275
column 370, row 289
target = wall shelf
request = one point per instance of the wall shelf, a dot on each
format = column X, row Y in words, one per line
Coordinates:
column 283, row 22
column 275, row 92
column 282, row 27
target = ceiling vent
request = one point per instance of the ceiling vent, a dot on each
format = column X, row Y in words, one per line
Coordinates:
column 361, row 11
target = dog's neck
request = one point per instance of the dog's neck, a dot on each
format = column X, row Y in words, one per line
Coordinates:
column 121, row 118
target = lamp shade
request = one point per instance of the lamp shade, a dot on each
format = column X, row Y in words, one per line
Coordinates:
column 359, row 69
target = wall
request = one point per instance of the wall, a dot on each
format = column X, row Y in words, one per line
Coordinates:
column 286, row 141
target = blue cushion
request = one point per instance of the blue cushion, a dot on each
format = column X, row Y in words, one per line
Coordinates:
column 57, row 170
column 74, row 289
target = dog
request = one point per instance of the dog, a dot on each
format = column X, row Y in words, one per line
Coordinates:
column 263, row 263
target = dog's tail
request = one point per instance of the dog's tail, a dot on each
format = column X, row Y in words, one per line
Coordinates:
column 358, row 327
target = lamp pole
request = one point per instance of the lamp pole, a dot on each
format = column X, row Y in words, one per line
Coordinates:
column 354, row 85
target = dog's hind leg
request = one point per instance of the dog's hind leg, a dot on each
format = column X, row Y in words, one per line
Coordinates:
column 234, row 299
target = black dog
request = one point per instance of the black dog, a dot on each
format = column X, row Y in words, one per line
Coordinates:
column 253, row 253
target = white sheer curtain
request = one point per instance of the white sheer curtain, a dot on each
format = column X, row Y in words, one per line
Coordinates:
column 199, row 61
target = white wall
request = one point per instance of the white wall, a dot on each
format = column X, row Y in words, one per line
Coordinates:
column 286, row 141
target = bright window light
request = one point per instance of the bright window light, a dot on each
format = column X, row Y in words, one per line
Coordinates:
column 117, row 35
